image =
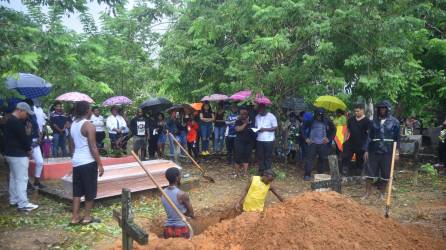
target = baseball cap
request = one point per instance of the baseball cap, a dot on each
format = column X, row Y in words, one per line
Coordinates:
column 25, row 107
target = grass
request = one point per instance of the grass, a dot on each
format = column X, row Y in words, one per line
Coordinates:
column 53, row 215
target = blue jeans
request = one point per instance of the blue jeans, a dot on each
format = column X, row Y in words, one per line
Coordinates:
column 205, row 131
column 181, row 138
column 219, row 138
column 59, row 140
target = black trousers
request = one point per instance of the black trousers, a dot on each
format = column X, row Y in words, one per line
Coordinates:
column 192, row 148
column 314, row 151
column 264, row 153
column 100, row 136
column 153, row 145
column 442, row 152
column 347, row 167
column 230, row 146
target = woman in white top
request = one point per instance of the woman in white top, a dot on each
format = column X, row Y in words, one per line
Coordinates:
column 98, row 122
column 117, row 126
column 87, row 164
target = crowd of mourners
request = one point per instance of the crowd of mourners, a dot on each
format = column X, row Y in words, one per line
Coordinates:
column 363, row 144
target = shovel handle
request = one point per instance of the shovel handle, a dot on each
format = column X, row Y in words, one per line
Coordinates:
column 389, row 186
column 182, row 216
column 187, row 153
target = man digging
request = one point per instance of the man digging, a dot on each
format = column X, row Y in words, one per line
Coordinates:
column 254, row 195
column 175, row 226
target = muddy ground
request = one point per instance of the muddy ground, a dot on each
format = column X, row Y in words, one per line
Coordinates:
column 419, row 200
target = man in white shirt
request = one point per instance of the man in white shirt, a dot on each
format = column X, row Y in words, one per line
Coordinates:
column 266, row 123
column 98, row 122
column 116, row 125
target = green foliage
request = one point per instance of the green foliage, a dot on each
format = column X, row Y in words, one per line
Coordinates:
column 379, row 49
column 354, row 49
column 432, row 173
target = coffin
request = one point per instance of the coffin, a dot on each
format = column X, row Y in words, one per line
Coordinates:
column 127, row 175
column 56, row 168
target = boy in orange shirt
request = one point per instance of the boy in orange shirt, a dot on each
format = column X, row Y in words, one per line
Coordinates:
column 192, row 136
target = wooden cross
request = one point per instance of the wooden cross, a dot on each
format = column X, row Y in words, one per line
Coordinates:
column 130, row 231
column 336, row 180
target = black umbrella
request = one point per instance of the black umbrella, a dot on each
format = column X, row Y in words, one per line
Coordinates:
column 294, row 103
column 155, row 104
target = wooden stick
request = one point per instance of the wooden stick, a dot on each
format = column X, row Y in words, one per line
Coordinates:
column 182, row 216
column 191, row 158
column 389, row 188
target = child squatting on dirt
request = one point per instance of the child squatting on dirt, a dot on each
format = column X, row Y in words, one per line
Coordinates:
column 254, row 195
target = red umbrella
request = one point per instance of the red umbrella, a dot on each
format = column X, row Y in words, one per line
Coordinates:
column 241, row 95
column 261, row 99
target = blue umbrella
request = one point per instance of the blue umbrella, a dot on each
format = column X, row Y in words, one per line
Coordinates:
column 29, row 85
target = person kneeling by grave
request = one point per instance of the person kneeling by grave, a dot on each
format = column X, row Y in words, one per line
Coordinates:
column 174, row 226
column 254, row 195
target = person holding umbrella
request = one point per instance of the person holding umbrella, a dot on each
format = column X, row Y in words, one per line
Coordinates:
column 116, row 126
column 139, row 128
column 206, row 119
column 317, row 134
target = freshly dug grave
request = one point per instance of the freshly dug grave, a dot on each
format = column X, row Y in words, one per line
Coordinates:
column 312, row 220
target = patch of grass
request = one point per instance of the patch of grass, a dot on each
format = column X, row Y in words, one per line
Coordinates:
column 53, row 215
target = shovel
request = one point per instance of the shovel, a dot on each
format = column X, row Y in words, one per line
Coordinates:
column 203, row 172
column 182, row 216
column 389, row 191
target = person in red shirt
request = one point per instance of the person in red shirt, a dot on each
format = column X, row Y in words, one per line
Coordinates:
column 192, row 136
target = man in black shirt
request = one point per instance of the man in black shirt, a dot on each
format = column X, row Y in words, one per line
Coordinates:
column 139, row 129
column 17, row 140
column 357, row 140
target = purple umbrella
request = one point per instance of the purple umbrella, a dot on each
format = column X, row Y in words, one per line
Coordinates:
column 117, row 100
column 241, row 95
column 261, row 99
column 215, row 98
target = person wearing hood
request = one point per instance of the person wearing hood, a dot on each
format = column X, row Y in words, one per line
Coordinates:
column 318, row 135
column 384, row 131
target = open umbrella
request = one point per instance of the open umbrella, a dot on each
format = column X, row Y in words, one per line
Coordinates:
column 188, row 109
column 330, row 103
column 29, row 85
column 241, row 95
column 215, row 98
column 261, row 99
column 117, row 100
column 74, row 97
column 197, row 106
column 156, row 104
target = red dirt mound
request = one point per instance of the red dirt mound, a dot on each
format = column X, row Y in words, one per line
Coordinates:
column 312, row 220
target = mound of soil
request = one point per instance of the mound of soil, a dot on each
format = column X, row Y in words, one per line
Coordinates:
column 312, row 220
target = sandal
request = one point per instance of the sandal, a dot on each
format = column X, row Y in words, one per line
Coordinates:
column 72, row 224
column 92, row 220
